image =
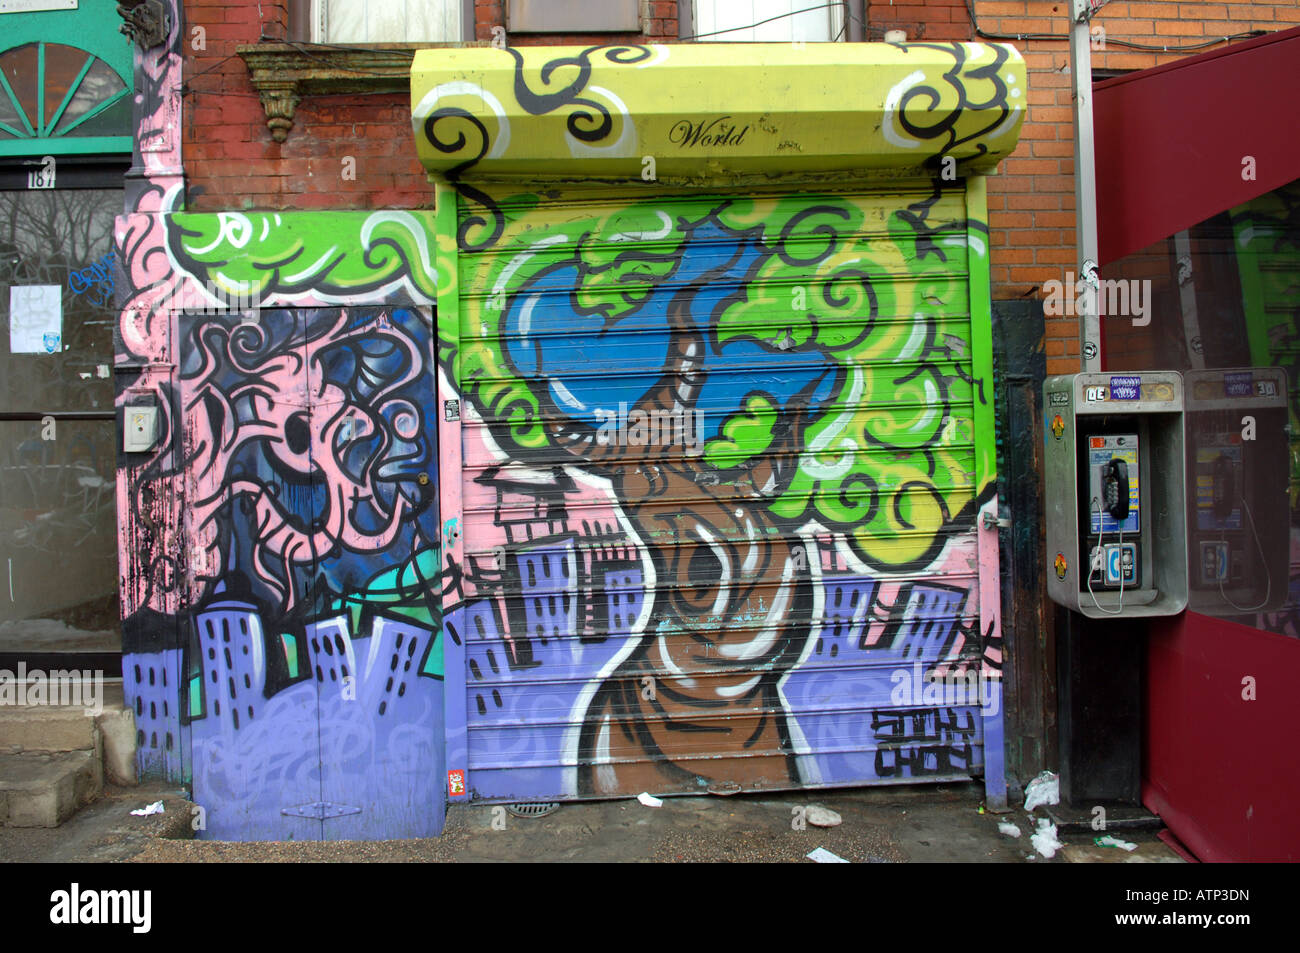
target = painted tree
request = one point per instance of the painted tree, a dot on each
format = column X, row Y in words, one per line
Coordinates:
column 823, row 344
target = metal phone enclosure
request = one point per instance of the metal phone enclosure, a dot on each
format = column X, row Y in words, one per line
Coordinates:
column 1239, row 505
column 1101, row 427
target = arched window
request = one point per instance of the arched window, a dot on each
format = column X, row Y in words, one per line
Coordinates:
column 64, row 96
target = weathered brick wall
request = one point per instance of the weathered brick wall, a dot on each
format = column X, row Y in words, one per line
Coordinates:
column 1031, row 201
column 344, row 151
column 232, row 162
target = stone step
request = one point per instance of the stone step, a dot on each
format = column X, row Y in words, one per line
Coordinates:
column 51, row 728
column 47, row 728
column 45, row 788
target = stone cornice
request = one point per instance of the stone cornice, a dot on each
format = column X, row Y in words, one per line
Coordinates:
column 283, row 73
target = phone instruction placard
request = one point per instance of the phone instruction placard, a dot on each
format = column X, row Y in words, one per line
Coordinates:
column 1101, row 451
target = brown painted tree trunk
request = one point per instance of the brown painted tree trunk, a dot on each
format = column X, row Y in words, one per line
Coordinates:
column 697, row 702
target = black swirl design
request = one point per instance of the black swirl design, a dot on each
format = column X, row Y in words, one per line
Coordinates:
column 945, row 126
column 589, row 122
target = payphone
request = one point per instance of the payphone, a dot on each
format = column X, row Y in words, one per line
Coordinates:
column 1238, row 507
column 1114, row 466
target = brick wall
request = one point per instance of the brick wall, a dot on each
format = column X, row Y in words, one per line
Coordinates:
column 1031, row 201
column 231, row 161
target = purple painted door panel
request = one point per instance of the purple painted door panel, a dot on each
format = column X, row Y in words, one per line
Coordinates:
column 313, row 679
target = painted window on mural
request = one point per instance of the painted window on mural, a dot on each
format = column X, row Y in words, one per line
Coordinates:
column 1223, row 305
column 52, row 89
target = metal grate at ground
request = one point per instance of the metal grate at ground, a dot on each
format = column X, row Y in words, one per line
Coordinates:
column 533, row 808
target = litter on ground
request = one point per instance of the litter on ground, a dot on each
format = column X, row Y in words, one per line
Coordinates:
column 1044, row 789
column 1108, row 841
column 1044, row 839
column 819, row 816
column 824, row 856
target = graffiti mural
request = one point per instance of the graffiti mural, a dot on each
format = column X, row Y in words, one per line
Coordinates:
column 721, row 484
column 696, row 510
column 285, row 624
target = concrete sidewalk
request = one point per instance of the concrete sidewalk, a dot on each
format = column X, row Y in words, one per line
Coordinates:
column 911, row 823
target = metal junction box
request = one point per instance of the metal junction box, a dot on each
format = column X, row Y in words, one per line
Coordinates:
column 1116, row 493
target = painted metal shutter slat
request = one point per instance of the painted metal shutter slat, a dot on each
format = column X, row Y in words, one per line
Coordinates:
column 753, row 582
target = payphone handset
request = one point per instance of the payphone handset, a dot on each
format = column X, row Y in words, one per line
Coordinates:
column 1112, row 524
column 1114, row 495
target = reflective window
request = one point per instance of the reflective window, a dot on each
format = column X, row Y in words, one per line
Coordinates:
column 1221, row 304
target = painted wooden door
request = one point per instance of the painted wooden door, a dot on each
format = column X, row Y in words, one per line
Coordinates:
column 314, row 678
column 724, row 462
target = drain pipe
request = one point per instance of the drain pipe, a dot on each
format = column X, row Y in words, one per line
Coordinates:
column 1085, row 180
column 856, row 13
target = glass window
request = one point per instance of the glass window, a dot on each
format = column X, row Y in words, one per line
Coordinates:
column 767, row 21
column 51, row 89
column 64, row 239
column 58, row 516
column 1222, row 305
column 387, row 21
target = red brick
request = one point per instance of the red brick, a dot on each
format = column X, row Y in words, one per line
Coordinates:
column 1152, row 10
column 1033, row 201
column 1034, row 274
column 1014, row 166
column 1031, row 25
column 1053, row 147
column 999, row 7
column 1012, row 219
column 1054, row 256
column 1054, row 219
column 1179, row 28
column 1249, row 12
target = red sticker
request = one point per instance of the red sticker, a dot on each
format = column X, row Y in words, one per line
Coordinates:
column 456, row 783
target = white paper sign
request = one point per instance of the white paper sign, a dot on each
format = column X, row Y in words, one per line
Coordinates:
column 35, row 319
column 32, row 6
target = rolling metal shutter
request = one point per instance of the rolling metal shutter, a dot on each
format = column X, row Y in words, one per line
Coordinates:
column 723, row 459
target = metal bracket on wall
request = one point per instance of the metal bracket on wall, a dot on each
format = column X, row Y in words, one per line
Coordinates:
column 992, row 522
column 320, row 810
column 146, row 23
